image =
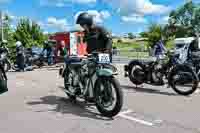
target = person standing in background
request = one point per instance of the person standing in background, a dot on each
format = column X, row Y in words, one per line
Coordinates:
column 49, row 49
column 20, row 57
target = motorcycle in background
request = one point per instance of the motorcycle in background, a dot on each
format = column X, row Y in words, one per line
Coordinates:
column 4, row 59
column 181, row 77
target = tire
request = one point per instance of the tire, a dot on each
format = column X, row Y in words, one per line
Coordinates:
column 183, row 68
column 133, row 79
column 119, row 97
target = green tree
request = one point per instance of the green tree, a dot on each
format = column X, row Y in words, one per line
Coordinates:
column 154, row 34
column 29, row 33
column 144, row 34
column 185, row 21
column 131, row 36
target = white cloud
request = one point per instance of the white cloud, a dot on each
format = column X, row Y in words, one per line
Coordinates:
column 46, row 32
column 146, row 7
column 98, row 17
column 163, row 20
column 166, row 18
column 54, row 23
column 134, row 18
column 105, row 14
column 60, row 24
column 63, row 3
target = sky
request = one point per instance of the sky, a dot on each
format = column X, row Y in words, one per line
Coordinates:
column 118, row 16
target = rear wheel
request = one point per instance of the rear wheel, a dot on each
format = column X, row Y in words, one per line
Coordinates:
column 136, row 74
column 109, row 96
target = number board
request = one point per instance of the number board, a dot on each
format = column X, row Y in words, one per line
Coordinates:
column 104, row 58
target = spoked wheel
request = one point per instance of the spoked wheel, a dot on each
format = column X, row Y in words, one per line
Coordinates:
column 184, row 81
column 109, row 97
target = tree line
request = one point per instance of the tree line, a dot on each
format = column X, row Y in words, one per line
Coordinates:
column 183, row 22
column 26, row 31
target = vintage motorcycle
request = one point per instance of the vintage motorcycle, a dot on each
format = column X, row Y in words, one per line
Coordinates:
column 4, row 59
column 181, row 77
column 92, row 79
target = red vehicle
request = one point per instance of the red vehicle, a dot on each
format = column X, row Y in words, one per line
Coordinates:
column 72, row 40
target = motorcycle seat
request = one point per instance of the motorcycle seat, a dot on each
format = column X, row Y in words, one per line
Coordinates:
column 73, row 61
column 148, row 61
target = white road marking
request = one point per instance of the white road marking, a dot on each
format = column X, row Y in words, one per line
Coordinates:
column 123, row 115
column 125, row 112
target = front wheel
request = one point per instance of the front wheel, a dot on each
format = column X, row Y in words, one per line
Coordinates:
column 109, row 96
column 183, row 80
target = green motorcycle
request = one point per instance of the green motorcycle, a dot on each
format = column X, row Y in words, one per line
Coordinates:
column 93, row 79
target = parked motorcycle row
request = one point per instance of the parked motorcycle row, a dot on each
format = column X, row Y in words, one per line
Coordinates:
column 31, row 59
column 92, row 78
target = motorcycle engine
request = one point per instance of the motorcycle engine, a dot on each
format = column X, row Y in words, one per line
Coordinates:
column 157, row 75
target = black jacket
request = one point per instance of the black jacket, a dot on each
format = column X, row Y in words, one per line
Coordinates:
column 20, row 51
column 98, row 39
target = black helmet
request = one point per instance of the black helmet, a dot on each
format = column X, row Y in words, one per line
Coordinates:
column 84, row 18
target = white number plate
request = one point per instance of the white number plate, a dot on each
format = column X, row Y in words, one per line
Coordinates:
column 104, row 58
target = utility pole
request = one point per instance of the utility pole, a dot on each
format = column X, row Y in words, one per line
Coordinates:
column 1, row 19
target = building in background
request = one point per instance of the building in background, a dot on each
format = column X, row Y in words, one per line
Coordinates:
column 73, row 41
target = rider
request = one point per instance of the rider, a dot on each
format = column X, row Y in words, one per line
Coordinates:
column 159, row 49
column 97, row 37
column 20, row 58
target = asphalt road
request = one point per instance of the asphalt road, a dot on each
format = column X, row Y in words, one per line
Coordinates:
column 36, row 103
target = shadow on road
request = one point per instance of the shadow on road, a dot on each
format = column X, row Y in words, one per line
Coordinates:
column 65, row 106
column 147, row 90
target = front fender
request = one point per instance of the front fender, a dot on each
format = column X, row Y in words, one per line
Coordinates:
column 104, row 72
